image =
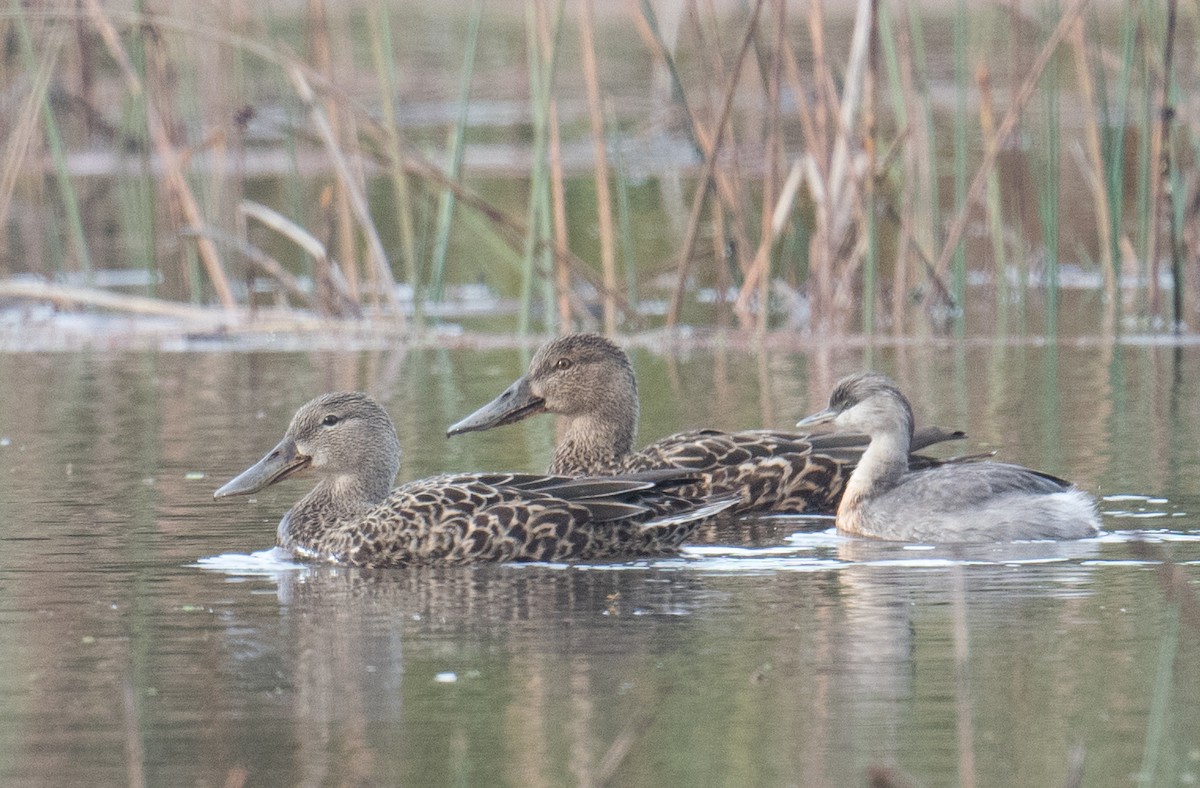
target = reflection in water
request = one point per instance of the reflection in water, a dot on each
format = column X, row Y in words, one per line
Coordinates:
column 771, row 653
column 527, row 637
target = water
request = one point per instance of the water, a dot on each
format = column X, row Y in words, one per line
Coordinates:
column 144, row 638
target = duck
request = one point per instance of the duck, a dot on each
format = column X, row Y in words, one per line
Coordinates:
column 354, row 517
column 588, row 381
column 970, row 502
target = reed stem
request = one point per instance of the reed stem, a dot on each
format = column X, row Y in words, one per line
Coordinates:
column 54, row 138
column 608, row 264
column 382, row 47
column 447, row 200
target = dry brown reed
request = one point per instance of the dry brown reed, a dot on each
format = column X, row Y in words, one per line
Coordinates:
column 172, row 164
column 1007, row 125
column 815, row 139
column 604, row 217
column 711, row 154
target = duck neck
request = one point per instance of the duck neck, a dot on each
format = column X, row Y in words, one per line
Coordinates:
column 880, row 468
column 333, row 501
column 593, row 442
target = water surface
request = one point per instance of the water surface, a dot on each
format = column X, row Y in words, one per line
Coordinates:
column 135, row 650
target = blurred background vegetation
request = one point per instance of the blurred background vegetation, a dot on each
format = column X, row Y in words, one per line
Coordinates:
column 882, row 166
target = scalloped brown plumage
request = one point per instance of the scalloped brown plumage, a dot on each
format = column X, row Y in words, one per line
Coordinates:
column 352, row 516
column 589, row 381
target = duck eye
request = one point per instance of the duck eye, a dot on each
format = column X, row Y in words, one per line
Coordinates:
column 330, row 420
column 563, row 363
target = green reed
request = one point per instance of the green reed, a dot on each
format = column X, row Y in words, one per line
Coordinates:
column 890, row 46
column 1178, row 217
column 1158, row 723
column 382, row 51
column 1117, row 121
column 624, row 219
column 54, row 138
column 457, row 146
column 898, row 206
column 1047, row 180
column 929, row 155
column 962, row 79
column 994, row 208
column 870, row 197
column 537, row 239
column 136, row 195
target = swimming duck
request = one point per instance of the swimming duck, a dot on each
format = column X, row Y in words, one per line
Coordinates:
column 960, row 502
column 353, row 516
column 589, row 382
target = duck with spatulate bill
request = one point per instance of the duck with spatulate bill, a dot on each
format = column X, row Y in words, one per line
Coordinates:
column 960, row 502
column 588, row 381
column 353, row 516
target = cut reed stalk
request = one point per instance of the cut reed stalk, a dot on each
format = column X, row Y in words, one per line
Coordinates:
column 915, row 216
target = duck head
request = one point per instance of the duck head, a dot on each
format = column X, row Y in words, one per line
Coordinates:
column 345, row 436
column 578, row 375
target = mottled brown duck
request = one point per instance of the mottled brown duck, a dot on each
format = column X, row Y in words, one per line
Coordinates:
column 588, row 381
column 353, row 516
column 956, row 502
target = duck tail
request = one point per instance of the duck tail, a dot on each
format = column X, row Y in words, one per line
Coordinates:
column 710, row 508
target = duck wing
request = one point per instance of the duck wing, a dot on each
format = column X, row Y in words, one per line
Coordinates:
column 770, row 470
column 463, row 518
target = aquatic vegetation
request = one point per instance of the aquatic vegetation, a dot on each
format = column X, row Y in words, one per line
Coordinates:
column 780, row 171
